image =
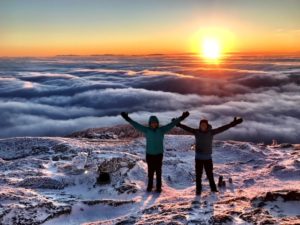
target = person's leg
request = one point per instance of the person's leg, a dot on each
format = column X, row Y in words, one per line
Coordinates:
column 151, row 170
column 158, row 170
column 199, row 171
column 208, row 165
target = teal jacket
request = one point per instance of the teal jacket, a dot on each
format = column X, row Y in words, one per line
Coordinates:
column 154, row 137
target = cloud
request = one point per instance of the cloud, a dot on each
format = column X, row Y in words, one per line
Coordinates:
column 57, row 96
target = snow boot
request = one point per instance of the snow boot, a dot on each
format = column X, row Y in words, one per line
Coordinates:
column 198, row 192
column 214, row 190
column 150, row 185
column 158, row 190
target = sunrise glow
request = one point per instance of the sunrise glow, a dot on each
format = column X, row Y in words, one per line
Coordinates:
column 211, row 49
column 47, row 28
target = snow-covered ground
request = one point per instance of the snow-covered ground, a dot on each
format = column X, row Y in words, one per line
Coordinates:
column 54, row 181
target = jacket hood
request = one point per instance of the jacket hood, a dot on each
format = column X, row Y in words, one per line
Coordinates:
column 153, row 119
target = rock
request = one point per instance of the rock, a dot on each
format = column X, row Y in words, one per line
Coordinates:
column 103, row 178
column 60, row 148
column 277, row 168
column 223, row 183
column 27, row 207
column 220, row 182
column 114, row 164
column 55, row 158
column 286, row 145
column 127, row 188
column 41, row 182
column 113, row 203
column 39, row 149
column 80, row 160
column 257, row 216
column 296, row 163
column 220, row 219
column 286, row 195
column 249, row 182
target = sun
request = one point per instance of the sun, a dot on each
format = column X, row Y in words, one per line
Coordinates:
column 211, row 49
column 212, row 45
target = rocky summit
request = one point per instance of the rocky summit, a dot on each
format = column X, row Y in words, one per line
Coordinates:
column 102, row 179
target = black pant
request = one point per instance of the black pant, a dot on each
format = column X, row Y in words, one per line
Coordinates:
column 208, row 166
column 154, row 165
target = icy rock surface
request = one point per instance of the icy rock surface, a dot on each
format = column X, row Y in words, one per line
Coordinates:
column 54, row 181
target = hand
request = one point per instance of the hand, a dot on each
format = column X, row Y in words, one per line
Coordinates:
column 185, row 115
column 237, row 120
column 125, row 115
column 177, row 125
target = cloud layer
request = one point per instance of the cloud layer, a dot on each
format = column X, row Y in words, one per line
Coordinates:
column 60, row 95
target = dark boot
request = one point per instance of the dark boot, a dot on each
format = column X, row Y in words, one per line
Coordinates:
column 150, row 185
column 198, row 190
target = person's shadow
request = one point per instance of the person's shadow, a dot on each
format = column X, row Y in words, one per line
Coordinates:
column 149, row 199
column 202, row 208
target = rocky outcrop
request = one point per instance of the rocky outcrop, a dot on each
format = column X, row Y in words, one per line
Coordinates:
column 119, row 131
column 286, row 195
column 21, row 206
column 41, row 182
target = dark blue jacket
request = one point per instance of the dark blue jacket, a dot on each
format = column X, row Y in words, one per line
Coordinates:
column 204, row 139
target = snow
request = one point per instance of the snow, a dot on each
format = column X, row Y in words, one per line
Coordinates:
column 82, row 213
column 281, row 208
column 54, row 181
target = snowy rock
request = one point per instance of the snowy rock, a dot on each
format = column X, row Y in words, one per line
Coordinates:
column 128, row 188
column 35, row 188
column 221, row 219
column 41, row 182
column 79, row 161
column 249, row 182
column 114, row 203
column 60, row 148
column 114, row 164
column 21, row 206
column 286, row 195
column 2, row 161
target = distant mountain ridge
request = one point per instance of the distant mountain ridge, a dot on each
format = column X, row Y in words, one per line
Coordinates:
column 114, row 132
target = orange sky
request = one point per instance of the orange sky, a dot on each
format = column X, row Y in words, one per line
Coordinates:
column 45, row 28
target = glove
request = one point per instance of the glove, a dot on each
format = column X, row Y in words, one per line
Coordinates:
column 184, row 115
column 177, row 125
column 237, row 120
column 125, row 116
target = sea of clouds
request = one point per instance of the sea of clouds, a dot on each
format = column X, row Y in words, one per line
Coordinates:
column 59, row 95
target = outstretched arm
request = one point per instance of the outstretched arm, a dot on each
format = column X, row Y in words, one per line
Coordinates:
column 174, row 122
column 135, row 124
column 221, row 129
column 186, row 128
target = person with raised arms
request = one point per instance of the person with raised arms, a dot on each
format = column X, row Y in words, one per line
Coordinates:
column 203, row 156
column 154, row 145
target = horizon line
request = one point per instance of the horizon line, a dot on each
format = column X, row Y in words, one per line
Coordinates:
column 153, row 54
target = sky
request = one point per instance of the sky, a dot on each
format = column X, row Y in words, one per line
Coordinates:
column 52, row 27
